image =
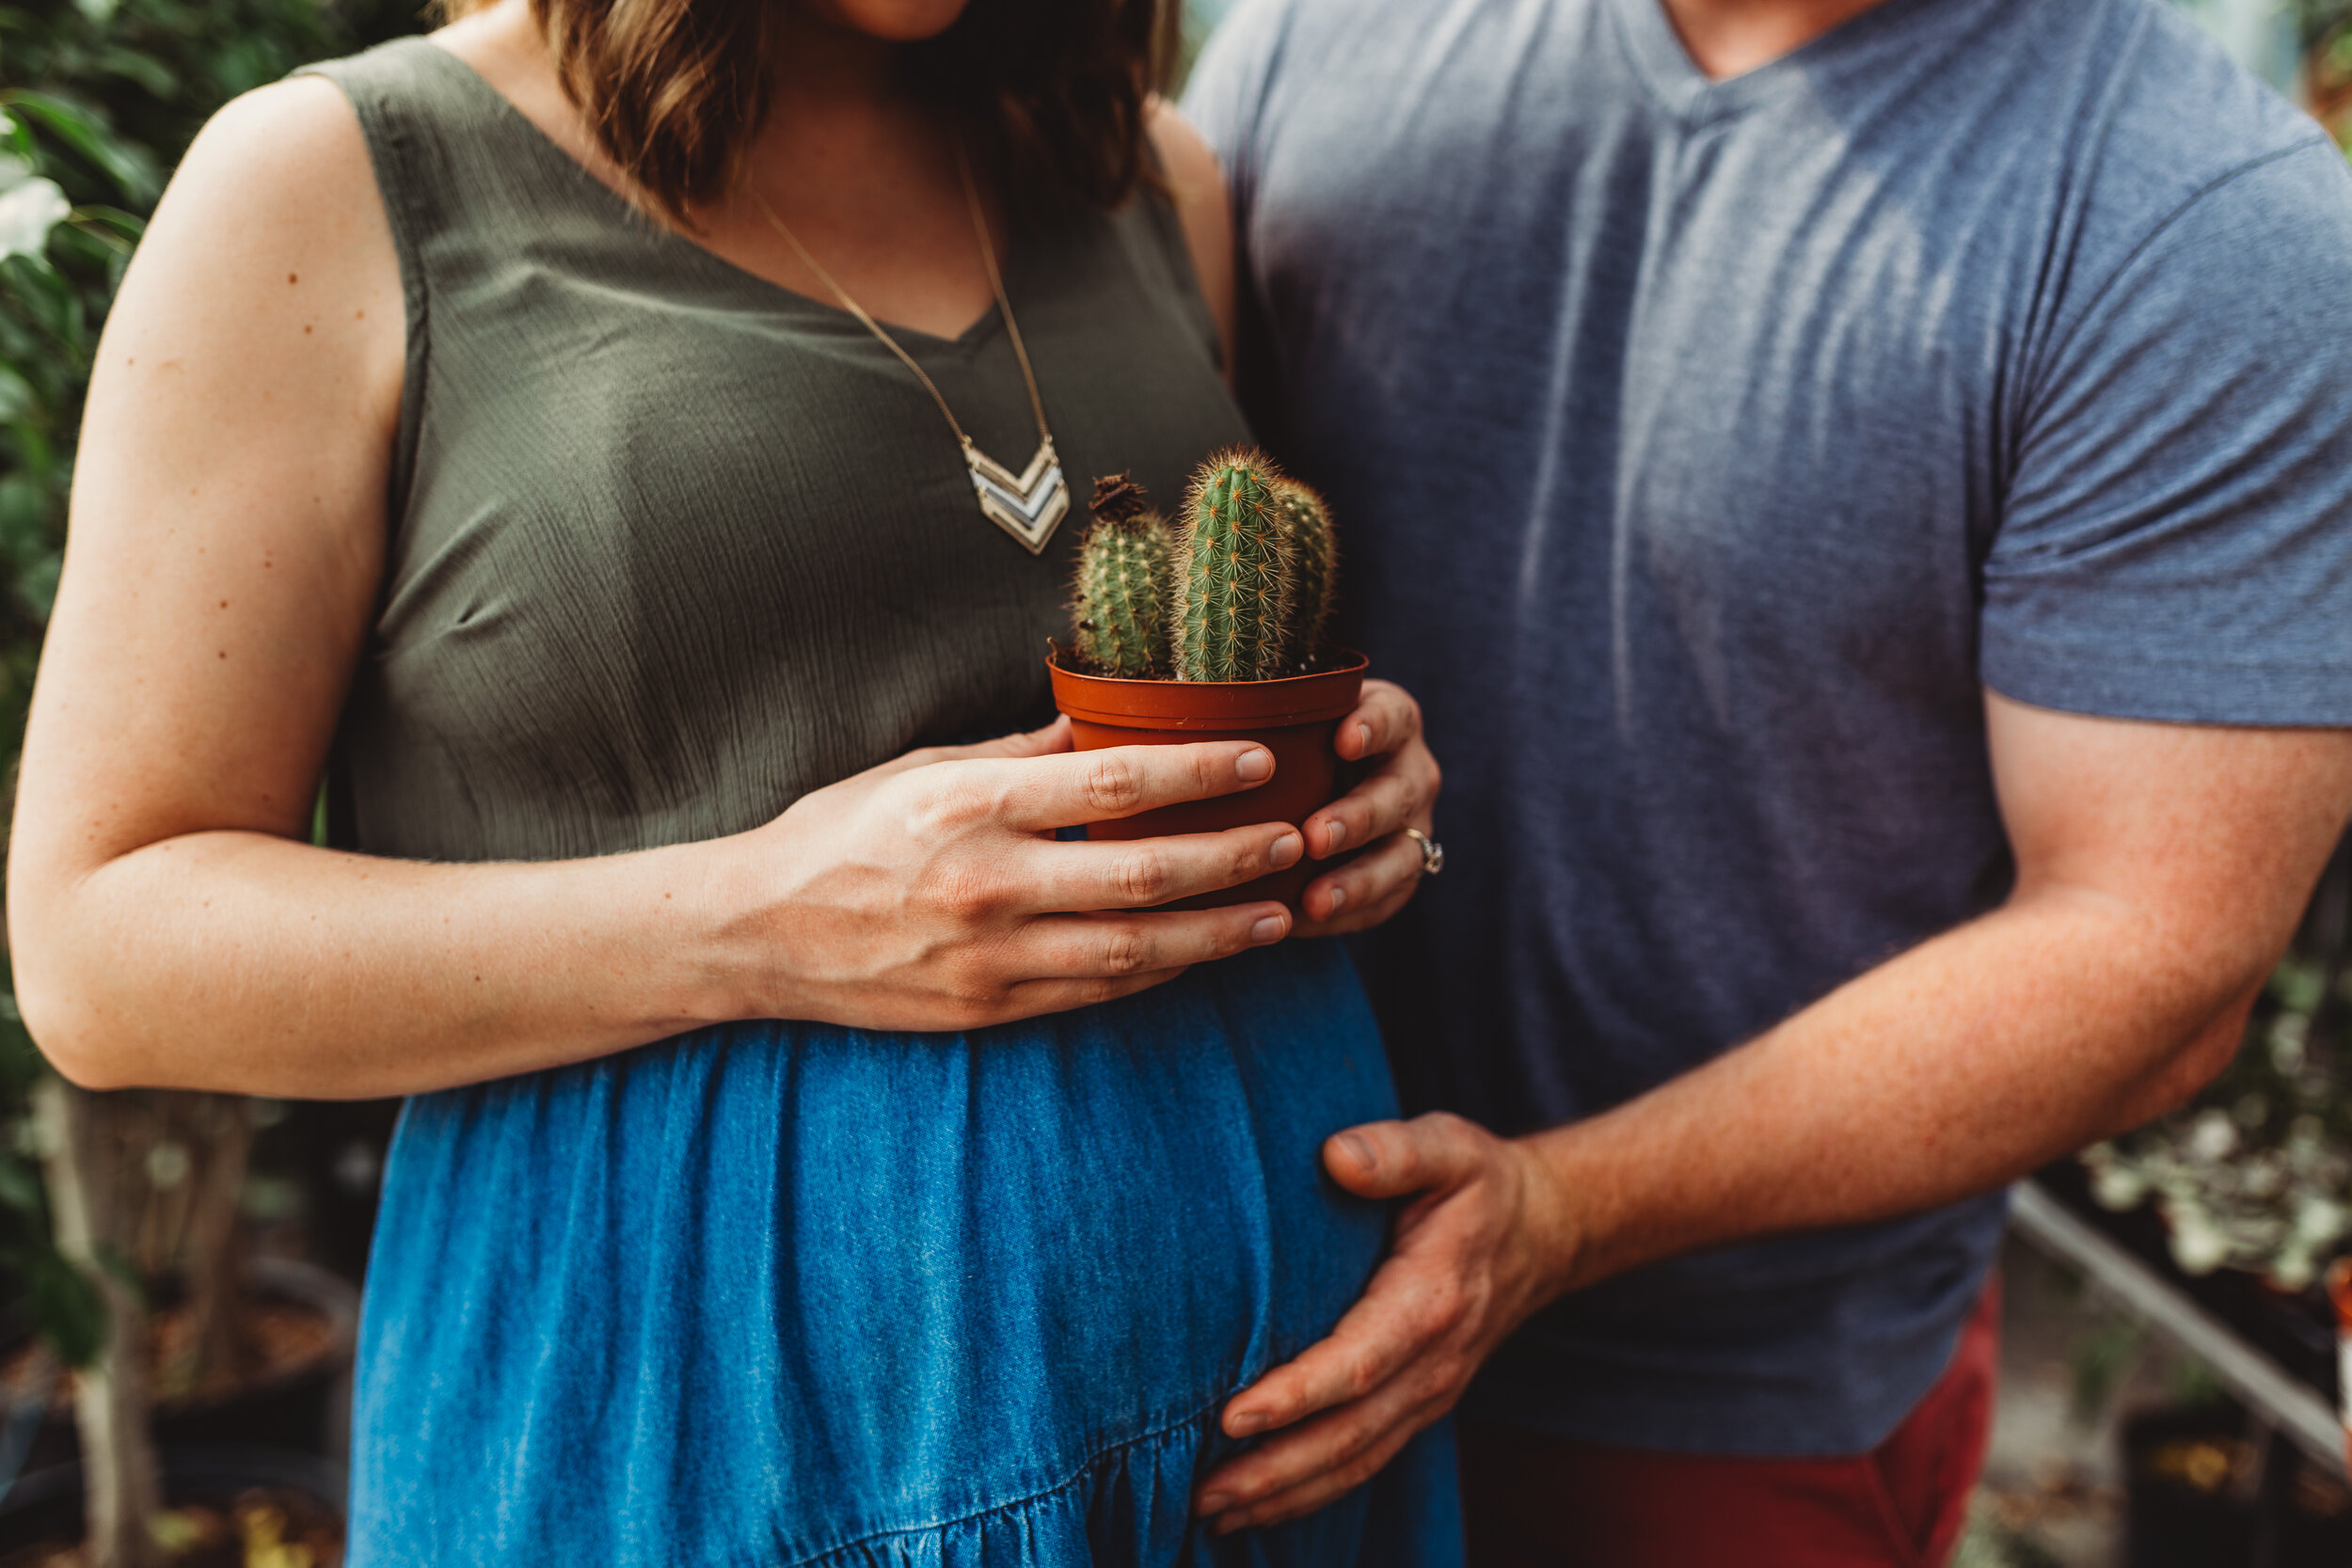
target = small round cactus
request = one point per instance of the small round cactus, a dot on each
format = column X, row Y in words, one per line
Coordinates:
column 1316, row 563
column 1120, row 608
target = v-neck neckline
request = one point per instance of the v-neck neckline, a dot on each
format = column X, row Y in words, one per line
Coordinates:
column 1689, row 93
column 986, row 325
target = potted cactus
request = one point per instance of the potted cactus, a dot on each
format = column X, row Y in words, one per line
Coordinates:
column 1213, row 626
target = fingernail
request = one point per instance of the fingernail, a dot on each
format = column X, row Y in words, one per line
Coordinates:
column 1339, row 896
column 1286, row 850
column 1215, row 1502
column 1269, row 929
column 1364, row 734
column 1247, row 1425
column 1334, row 837
column 1360, row 1149
column 1255, row 764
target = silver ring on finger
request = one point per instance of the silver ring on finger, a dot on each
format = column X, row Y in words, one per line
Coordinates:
column 1432, row 852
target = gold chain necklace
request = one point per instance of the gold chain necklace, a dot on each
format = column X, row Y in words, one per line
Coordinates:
column 1028, row 504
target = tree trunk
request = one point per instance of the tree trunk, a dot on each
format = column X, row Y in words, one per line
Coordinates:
column 90, row 1140
column 220, row 1129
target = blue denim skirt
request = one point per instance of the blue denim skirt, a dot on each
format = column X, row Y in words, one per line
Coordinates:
column 786, row 1293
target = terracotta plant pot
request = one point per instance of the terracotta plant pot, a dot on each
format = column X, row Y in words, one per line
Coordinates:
column 1294, row 718
column 303, row 1403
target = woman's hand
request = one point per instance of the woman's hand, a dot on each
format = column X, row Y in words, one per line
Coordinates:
column 1401, row 793
column 929, row 893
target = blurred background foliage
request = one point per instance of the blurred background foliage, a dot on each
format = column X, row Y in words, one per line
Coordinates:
column 99, row 99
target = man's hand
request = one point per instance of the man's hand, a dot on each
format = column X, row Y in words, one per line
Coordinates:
column 1399, row 793
column 1482, row 1246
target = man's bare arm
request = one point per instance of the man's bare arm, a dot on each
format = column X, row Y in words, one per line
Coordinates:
column 2161, row 870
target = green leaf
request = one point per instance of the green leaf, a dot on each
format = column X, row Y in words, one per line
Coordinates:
column 67, row 1309
column 126, row 162
column 17, row 401
column 148, row 72
column 46, row 297
column 37, row 586
column 20, row 1189
column 130, row 225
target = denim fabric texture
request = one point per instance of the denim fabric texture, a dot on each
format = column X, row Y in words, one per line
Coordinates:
column 789, row 1294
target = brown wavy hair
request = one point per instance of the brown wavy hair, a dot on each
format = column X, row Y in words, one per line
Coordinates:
column 673, row 90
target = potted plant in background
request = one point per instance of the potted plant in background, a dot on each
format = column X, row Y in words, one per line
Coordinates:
column 183, row 1335
column 122, row 1248
column 1212, row 627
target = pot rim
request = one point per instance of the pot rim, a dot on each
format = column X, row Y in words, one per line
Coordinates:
column 1128, row 703
column 289, row 1280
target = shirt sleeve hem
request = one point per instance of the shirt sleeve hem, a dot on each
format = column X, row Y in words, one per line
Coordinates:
column 2260, row 694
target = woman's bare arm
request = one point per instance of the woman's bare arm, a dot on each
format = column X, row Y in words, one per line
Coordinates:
column 169, row 921
column 1197, row 186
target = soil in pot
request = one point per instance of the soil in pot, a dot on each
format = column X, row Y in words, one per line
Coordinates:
column 1294, row 718
column 300, row 1321
column 225, row 1508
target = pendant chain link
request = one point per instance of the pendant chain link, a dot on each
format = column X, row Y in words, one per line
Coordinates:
column 995, row 282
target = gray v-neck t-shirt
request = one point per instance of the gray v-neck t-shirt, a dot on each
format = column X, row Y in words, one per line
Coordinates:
column 1702, row 450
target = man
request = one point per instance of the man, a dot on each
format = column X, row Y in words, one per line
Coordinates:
column 1864, row 492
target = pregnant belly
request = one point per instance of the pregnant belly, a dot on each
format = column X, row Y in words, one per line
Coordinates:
column 850, row 1265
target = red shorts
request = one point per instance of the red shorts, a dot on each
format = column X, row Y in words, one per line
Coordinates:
column 1544, row 1502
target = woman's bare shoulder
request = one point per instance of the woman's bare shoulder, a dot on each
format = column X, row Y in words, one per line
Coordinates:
column 1198, row 185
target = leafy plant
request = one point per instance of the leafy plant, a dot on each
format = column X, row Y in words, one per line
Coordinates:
column 98, row 99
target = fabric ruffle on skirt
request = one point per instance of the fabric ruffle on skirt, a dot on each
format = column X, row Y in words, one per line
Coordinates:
column 1133, row 1505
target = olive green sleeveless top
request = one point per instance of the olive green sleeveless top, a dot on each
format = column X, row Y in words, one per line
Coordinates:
column 669, row 546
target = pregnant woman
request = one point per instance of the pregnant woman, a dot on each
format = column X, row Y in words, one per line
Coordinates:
column 561, row 435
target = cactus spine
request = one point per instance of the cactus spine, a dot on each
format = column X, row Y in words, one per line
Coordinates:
column 1122, row 584
column 1233, row 573
column 1309, row 523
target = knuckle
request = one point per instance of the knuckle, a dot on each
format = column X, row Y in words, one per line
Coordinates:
column 1449, row 1303
column 1449, row 1374
column 970, row 1001
column 1359, row 1376
column 1245, row 860
column 1143, row 875
column 951, row 805
column 962, row 893
column 1445, row 1124
column 1125, row 952
column 1111, row 786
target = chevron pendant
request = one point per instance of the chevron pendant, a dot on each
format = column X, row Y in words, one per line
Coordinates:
column 1027, row 505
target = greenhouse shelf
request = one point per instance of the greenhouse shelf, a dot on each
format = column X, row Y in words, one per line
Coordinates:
column 2297, row 1410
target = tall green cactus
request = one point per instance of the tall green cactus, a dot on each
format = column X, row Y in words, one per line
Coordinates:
column 1309, row 523
column 1120, row 609
column 1231, row 576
